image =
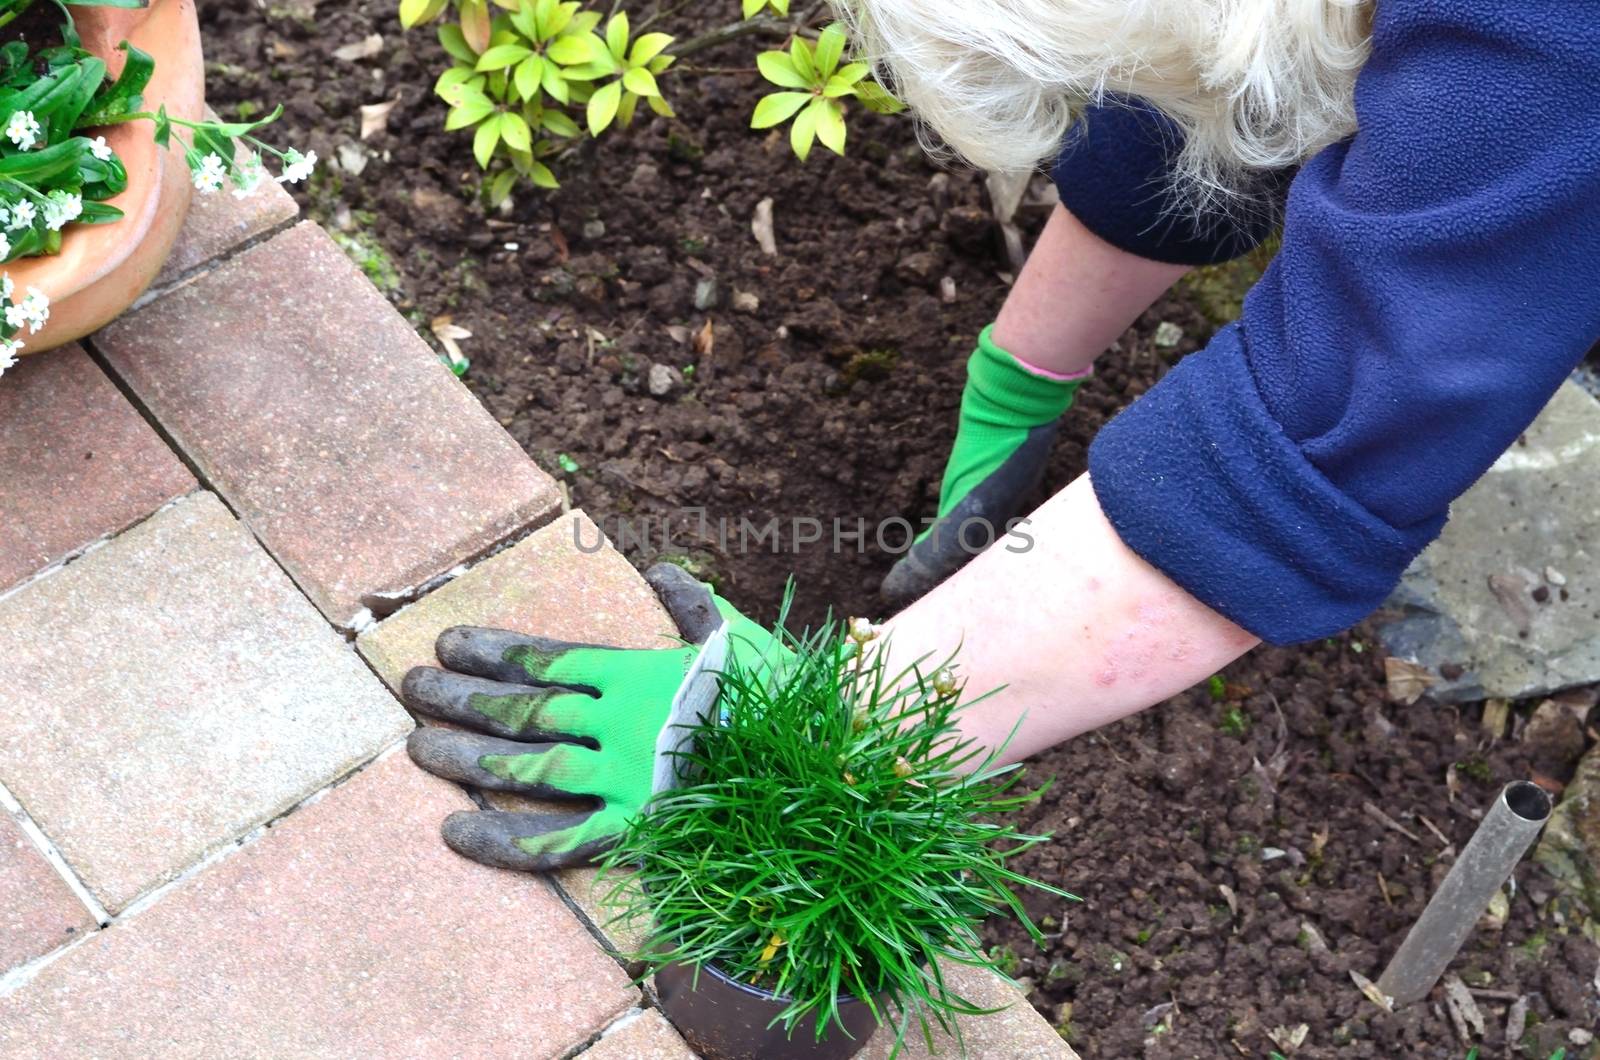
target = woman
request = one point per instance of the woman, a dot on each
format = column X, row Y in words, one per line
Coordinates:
column 1436, row 168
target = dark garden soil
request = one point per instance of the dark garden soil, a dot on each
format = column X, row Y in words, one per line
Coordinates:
column 1237, row 896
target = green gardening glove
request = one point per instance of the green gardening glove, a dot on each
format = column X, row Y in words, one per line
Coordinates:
column 562, row 721
column 1009, row 419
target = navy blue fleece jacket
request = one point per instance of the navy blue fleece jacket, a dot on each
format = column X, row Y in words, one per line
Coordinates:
column 1439, row 278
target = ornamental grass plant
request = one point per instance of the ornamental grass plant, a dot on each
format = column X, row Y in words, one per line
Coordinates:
column 834, row 836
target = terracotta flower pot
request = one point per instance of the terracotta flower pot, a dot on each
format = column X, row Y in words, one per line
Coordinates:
column 102, row 268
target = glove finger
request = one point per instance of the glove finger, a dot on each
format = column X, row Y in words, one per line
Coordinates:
column 515, row 712
column 501, row 655
column 976, row 522
column 687, row 599
column 526, row 842
column 545, row 770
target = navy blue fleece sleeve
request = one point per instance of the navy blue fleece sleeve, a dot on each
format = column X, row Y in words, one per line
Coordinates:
column 1115, row 176
column 1439, row 277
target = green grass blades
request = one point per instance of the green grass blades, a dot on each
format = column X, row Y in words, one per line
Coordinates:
column 837, row 836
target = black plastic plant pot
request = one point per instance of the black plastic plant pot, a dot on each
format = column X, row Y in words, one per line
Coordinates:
column 723, row 1019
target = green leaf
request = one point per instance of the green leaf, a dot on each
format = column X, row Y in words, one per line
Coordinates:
column 500, row 186
column 626, row 109
column 455, row 43
column 540, row 174
column 640, row 81
column 617, row 36
column 878, row 99
column 778, row 68
column 850, row 74
column 830, row 46
column 543, row 12
column 584, row 22
column 522, row 18
column 753, row 7
column 529, row 73
column 560, row 19
column 803, row 132
column 555, row 83
column 126, row 95
column 830, row 124
column 574, row 49
column 660, row 63
column 416, row 12
column 452, row 81
column 648, row 47
column 778, row 108
column 559, row 124
column 660, row 106
column 471, row 109
column 502, row 56
column 603, row 106
column 515, row 132
column 486, row 140
column 800, row 55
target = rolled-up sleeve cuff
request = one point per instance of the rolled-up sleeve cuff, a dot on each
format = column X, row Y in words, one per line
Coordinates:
column 1115, row 176
column 1200, row 480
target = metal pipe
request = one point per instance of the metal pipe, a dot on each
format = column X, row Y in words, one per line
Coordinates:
column 1508, row 829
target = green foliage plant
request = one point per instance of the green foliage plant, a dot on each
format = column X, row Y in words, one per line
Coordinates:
column 816, row 82
column 835, row 836
column 54, row 173
column 525, row 72
column 529, row 77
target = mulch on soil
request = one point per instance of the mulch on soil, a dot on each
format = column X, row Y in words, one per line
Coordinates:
column 1231, row 874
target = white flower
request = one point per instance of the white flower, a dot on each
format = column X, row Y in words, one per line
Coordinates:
column 23, row 214
column 8, row 353
column 7, row 288
column 61, row 207
column 297, row 166
column 32, row 312
column 249, row 177
column 23, row 129
column 209, row 177
column 100, row 149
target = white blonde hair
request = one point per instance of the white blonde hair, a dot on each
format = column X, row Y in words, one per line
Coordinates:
column 1253, row 85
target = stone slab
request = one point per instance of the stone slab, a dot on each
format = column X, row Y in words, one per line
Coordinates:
column 348, row 930
column 1507, row 602
column 300, row 394
column 77, row 462
column 1017, row 1033
column 220, row 222
column 38, row 912
column 1569, row 848
column 563, row 581
column 644, row 1035
column 169, row 692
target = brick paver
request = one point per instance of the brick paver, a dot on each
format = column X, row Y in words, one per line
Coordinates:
column 77, row 462
column 642, row 1035
column 348, row 930
column 170, row 691
column 307, row 401
column 218, row 223
column 1018, row 1033
column 38, row 912
column 560, row 582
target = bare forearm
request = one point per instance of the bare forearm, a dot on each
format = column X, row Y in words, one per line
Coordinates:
column 1077, row 628
column 1076, row 296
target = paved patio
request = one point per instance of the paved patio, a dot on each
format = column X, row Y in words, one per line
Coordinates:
column 231, row 522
